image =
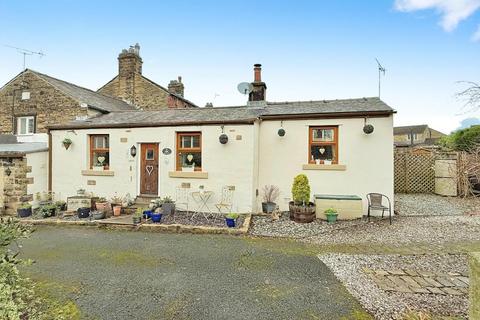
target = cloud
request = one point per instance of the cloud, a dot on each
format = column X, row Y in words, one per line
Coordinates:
column 476, row 35
column 452, row 11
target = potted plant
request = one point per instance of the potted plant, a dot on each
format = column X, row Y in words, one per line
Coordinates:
column 331, row 214
column 270, row 195
column 137, row 217
column 67, row 142
column 83, row 212
column 61, row 205
column 48, row 210
column 102, row 204
column 147, row 213
column 301, row 209
column 157, row 215
column 25, row 210
column 168, row 205
column 98, row 215
column 230, row 219
column 116, row 201
column 117, row 210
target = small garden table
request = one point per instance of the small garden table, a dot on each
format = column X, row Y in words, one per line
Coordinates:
column 201, row 198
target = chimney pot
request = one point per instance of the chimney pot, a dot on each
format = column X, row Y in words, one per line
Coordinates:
column 257, row 72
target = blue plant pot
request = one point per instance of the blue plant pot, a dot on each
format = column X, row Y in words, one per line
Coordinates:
column 147, row 214
column 230, row 222
column 156, row 217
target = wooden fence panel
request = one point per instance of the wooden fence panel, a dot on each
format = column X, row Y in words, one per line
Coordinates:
column 414, row 173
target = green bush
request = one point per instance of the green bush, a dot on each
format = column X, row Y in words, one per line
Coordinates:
column 17, row 298
column 301, row 190
column 462, row 140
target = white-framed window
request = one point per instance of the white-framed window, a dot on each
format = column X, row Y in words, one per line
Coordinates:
column 25, row 125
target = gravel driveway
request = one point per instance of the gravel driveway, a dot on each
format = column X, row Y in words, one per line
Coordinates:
column 434, row 205
column 137, row 275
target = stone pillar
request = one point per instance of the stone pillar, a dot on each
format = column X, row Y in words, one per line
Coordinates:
column 474, row 264
column 14, row 185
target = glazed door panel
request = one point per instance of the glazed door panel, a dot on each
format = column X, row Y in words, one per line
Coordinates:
column 149, row 168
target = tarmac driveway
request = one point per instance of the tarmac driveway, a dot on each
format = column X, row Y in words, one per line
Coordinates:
column 137, row 275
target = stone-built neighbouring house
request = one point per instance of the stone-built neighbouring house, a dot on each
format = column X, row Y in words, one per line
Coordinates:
column 32, row 101
column 131, row 86
column 417, row 135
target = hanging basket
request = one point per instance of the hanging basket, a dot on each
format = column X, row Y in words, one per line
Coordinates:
column 223, row 138
column 368, row 128
column 67, row 143
column 281, row 132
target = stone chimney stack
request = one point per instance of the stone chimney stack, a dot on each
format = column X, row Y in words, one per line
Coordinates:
column 129, row 67
column 176, row 87
column 259, row 92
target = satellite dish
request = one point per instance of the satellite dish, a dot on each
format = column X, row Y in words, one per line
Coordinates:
column 245, row 87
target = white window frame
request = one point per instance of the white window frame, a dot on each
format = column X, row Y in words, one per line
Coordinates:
column 27, row 126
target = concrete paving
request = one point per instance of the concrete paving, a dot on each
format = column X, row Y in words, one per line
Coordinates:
column 113, row 274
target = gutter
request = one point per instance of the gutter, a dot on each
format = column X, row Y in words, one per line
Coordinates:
column 331, row 115
column 49, row 160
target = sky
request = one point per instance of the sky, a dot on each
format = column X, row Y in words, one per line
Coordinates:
column 309, row 50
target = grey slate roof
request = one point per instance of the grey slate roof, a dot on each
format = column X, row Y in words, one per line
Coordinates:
column 239, row 114
column 410, row 129
column 27, row 147
column 83, row 95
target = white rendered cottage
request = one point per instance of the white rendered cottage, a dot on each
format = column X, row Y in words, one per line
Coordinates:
column 323, row 139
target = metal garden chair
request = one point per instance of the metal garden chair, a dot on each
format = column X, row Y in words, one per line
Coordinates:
column 226, row 202
column 375, row 202
column 181, row 198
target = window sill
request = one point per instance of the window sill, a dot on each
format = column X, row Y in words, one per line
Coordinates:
column 107, row 173
column 331, row 167
column 191, row 175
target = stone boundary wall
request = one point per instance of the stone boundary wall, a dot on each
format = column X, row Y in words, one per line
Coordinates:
column 13, row 187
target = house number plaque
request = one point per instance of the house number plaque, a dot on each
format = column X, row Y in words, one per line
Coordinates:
column 166, row 151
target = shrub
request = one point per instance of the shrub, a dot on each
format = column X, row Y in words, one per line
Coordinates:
column 301, row 190
column 232, row 216
column 462, row 140
column 270, row 193
column 330, row 211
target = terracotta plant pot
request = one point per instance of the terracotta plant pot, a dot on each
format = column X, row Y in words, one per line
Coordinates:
column 303, row 214
column 117, row 210
column 102, row 206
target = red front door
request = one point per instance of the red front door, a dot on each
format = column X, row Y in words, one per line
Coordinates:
column 149, row 169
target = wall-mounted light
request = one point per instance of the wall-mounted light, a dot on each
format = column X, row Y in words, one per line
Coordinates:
column 133, row 151
column 8, row 172
column 281, row 132
column 367, row 128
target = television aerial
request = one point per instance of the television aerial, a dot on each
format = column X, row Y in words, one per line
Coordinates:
column 25, row 53
column 381, row 70
column 245, row 87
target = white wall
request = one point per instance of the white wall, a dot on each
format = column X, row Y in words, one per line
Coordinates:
column 37, row 137
column 368, row 158
column 248, row 163
column 230, row 164
column 39, row 163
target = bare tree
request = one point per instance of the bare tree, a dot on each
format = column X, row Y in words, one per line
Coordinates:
column 471, row 96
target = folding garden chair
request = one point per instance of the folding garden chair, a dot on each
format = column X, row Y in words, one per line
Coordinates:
column 181, row 198
column 226, row 202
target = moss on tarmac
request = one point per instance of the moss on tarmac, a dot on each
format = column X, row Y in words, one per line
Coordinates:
column 106, row 274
